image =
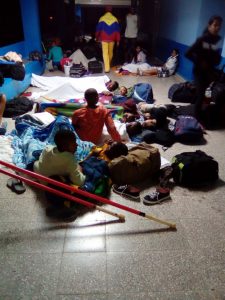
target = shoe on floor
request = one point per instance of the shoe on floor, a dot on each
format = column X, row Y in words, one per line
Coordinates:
column 155, row 198
column 123, row 191
column 16, row 185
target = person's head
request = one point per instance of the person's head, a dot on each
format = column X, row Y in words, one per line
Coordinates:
column 147, row 116
column 112, row 85
column 132, row 10
column 133, row 128
column 91, row 96
column 175, row 52
column 214, row 24
column 138, row 49
column 123, row 91
column 65, row 140
column 115, row 150
column 128, row 117
column 149, row 123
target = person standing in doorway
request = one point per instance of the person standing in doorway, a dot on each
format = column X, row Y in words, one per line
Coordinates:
column 131, row 32
column 205, row 55
column 108, row 33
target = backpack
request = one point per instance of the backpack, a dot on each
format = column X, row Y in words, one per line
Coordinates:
column 184, row 92
column 188, row 130
column 193, row 169
column 95, row 67
column 141, row 163
column 77, row 70
column 218, row 93
column 15, row 71
column 142, row 92
column 17, row 106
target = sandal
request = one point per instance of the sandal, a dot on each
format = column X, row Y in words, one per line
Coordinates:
column 16, row 185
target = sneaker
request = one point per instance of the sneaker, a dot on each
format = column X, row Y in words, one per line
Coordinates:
column 155, row 198
column 3, row 128
column 123, row 191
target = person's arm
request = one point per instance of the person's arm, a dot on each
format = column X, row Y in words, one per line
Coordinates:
column 75, row 174
column 112, row 128
column 50, row 54
column 2, row 106
column 75, row 119
column 192, row 52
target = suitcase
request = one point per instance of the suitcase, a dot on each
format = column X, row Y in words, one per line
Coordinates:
column 95, row 67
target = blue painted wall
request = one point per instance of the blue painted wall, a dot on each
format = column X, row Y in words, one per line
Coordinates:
column 181, row 22
column 31, row 28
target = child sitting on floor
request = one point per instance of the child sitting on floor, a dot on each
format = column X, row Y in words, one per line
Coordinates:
column 89, row 121
column 56, row 161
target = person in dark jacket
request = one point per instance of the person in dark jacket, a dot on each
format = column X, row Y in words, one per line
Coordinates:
column 205, row 55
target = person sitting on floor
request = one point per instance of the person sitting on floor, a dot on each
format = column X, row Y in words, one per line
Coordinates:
column 55, row 54
column 138, row 63
column 3, row 124
column 169, row 66
column 60, row 160
column 59, row 163
column 88, row 121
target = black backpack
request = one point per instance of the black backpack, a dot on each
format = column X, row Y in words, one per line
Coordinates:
column 188, row 130
column 193, row 169
column 184, row 92
column 17, row 107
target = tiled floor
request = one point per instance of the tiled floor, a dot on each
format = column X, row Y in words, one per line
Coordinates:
column 98, row 258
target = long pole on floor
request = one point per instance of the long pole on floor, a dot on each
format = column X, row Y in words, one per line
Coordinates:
column 87, row 194
column 62, row 194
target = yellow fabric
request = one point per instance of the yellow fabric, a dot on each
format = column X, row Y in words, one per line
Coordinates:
column 99, row 151
column 107, row 53
column 108, row 18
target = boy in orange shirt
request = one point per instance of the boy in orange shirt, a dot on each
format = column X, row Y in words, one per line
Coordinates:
column 88, row 121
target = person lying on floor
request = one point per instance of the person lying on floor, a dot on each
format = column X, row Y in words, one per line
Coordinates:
column 110, row 151
column 121, row 97
column 88, row 121
column 3, row 124
column 56, row 162
column 111, row 86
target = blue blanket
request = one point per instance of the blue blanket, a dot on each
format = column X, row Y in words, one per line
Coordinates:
column 30, row 138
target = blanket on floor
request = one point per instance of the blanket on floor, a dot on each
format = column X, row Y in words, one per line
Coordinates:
column 79, row 85
column 30, row 138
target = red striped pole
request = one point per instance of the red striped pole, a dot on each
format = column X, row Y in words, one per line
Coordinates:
column 87, row 194
column 62, row 194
